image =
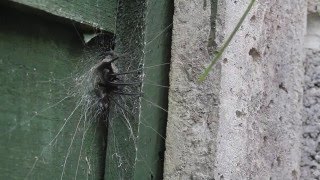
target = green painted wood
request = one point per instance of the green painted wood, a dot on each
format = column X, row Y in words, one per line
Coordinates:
column 98, row 13
column 137, row 125
column 37, row 58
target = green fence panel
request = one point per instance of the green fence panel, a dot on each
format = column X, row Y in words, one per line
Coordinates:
column 98, row 13
column 43, row 130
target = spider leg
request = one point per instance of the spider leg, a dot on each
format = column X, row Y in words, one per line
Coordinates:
column 125, row 93
column 114, row 55
column 114, row 59
column 123, row 84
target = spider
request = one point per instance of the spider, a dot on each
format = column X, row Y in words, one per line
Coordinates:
column 107, row 81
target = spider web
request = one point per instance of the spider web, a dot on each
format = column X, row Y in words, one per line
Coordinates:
column 145, row 116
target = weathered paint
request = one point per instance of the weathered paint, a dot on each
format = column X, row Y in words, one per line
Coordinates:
column 98, row 13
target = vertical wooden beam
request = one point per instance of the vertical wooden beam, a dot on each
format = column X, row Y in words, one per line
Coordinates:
column 137, row 124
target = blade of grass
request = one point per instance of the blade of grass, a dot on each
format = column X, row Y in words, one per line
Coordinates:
column 226, row 44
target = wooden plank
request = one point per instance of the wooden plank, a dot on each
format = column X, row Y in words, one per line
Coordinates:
column 36, row 61
column 137, row 125
column 98, row 13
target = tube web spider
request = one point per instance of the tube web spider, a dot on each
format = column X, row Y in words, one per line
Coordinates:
column 108, row 82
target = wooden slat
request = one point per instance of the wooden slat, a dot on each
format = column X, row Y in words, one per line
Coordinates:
column 37, row 58
column 137, row 125
column 98, row 13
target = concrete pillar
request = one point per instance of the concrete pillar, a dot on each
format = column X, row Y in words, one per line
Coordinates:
column 261, row 91
column 244, row 121
column 193, row 114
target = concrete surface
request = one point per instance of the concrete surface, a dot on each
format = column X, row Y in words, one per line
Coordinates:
column 192, row 117
column 244, row 121
column 310, row 163
column 261, row 92
column 313, row 6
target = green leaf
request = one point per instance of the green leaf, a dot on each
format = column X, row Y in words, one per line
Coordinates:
column 226, row 44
